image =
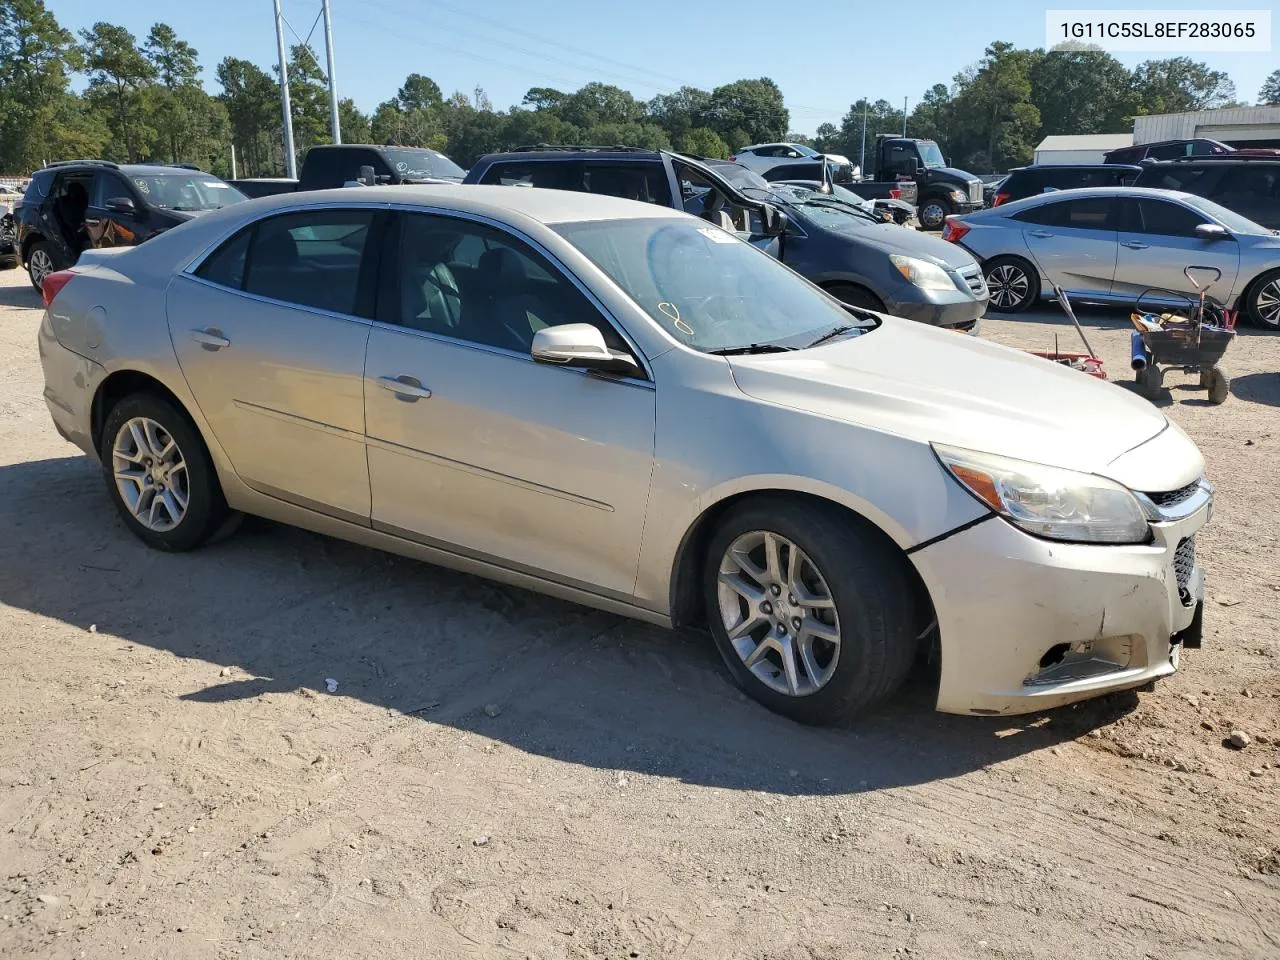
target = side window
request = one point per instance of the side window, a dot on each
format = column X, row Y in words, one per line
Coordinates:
column 1166, row 219
column 321, row 168
column 646, row 182
column 1170, row 150
column 499, row 300
column 311, row 259
column 1245, row 183
column 900, row 159
column 528, row 174
column 38, row 188
column 226, row 265
column 1091, row 213
column 1045, row 215
column 108, row 186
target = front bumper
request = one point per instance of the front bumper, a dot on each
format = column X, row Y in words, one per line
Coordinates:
column 949, row 310
column 1027, row 624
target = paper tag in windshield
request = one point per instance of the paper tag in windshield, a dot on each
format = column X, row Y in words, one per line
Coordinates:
column 717, row 236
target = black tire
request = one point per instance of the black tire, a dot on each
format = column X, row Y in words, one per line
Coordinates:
column 872, row 597
column 41, row 252
column 1262, row 302
column 206, row 512
column 1014, row 278
column 933, row 212
column 1219, row 385
column 856, row 296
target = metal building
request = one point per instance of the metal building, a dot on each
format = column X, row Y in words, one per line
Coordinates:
column 1237, row 126
column 1084, row 148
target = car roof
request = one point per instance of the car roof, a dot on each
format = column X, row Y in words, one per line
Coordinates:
column 158, row 169
column 570, row 153
column 1081, row 193
column 543, row 205
column 1036, row 167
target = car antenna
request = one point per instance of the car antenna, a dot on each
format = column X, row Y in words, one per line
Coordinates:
column 826, row 178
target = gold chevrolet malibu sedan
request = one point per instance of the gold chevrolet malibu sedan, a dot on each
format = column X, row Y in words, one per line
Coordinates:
column 628, row 407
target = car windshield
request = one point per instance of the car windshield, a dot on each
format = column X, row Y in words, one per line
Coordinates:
column 420, row 164
column 931, row 155
column 172, row 191
column 705, row 287
column 1228, row 218
column 806, row 151
column 740, row 176
column 839, row 208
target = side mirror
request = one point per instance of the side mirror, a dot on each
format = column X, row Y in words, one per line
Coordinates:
column 367, row 176
column 774, row 220
column 580, row 345
column 1212, row 231
column 918, row 168
column 121, row 205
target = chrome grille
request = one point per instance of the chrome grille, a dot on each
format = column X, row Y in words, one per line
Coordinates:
column 972, row 277
column 975, row 191
column 1184, row 561
column 1171, row 498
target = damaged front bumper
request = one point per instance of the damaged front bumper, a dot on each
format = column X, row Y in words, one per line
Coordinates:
column 1027, row 624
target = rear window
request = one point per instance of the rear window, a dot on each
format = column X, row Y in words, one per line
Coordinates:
column 1186, row 178
column 38, row 188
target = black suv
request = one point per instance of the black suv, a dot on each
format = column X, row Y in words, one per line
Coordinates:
column 74, row 205
column 1042, row 178
column 1249, row 187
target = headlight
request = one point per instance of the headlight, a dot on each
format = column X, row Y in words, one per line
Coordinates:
column 959, row 196
column 1048, row 501
column 925, row 275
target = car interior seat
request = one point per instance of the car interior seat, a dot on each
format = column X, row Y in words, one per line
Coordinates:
column 509, row 310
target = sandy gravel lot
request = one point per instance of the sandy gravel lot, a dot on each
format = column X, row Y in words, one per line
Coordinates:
column 502, row 775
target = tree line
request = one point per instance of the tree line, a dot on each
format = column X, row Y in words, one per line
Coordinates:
column 145, row 100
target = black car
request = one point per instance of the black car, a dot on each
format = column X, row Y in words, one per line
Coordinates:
column 1249, row 187
column 1043, row 178
column 1173, row 149
column 74, row 205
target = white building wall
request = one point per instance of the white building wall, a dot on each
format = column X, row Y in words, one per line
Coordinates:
column 1236, row 123
column 1069, row 156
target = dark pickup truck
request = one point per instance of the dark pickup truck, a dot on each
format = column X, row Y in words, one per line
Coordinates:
column 941, row 190
column 904, row 190
column 329, row 166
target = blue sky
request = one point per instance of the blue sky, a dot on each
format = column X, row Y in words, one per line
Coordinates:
column 823, row 55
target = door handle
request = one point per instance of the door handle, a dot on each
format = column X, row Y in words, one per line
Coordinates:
column 210, row 339
column 406, row 388
column 1134, row 244
column 92, row 221
column 1042, row 234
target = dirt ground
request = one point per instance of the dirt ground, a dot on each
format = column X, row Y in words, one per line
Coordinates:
column 503, row 775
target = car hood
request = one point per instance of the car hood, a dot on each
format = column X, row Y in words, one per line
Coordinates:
column 892, row 238
column 936, row 385
column 954, row 173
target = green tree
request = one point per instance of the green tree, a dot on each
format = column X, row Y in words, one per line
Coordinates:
column 702, row 142
column 828, row 139
column 355, row 125
column 252, row 102
column 680, row 112
column 179, row 110
column 996, row 97
column 755, row 107
column 39, row 117
column 544, row 98
column 1270, row 92
column 117, row 71
column 308, row 99
column 598, row 103
column 1082, row 91
column 647, row 135
column 1180, row 84
column 419, row 93
column 934, row 117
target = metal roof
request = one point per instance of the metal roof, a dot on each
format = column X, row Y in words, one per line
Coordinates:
column 1086, row 141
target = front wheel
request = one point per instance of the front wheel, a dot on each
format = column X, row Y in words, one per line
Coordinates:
column 856, row 296
column 159, row 474
column 933, row 212
column 41, row 261
column 1013, row 285
column 1263, row 302
column 1151, row 382
column 809, row 609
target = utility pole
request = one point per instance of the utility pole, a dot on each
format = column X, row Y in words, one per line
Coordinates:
column 233, row 161
column 333, row 86
column 904, row 118
column 290, row 161
column 862, row 157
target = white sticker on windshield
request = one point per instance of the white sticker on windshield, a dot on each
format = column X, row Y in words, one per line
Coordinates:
column 717, row 236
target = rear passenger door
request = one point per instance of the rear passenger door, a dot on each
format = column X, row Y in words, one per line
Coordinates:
column 270, row 332
column 1074, row 242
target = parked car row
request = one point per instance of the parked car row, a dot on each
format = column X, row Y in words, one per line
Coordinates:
column 618, row 403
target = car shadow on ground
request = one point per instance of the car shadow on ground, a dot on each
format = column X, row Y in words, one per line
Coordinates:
column 19, row 296
column 287, row 610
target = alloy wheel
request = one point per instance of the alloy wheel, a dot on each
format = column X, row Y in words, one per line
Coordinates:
column 932, row 215
column 1008, row 285
column 150, row 474
column 39, row 266
column 778, row 613
column 1267, row 304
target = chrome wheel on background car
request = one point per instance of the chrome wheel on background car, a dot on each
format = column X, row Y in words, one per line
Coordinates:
column 778, row 613
column 1012, row 284
column 1264, row 305
column 39, row 265
column 151, row 474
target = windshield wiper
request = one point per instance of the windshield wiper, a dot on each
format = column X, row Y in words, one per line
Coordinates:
column 834, row 332
column 751, row 348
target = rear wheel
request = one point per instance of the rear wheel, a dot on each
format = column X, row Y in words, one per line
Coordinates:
column 856, row 296
column 933, row 212
column 1263, row 302
column 809, row 609
column 41, row 261
column 1013, row 285
column 1151, row 382
column 159, row 474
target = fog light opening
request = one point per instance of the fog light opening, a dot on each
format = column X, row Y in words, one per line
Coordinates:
column 1054, row 655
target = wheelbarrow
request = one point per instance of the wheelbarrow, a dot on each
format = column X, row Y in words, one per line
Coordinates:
column 1193, row 341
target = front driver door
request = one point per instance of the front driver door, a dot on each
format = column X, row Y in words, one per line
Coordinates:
column 478, row 450
column 1158, row 241
column 108, row 227
column 270, row 333
column 1074, row 243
